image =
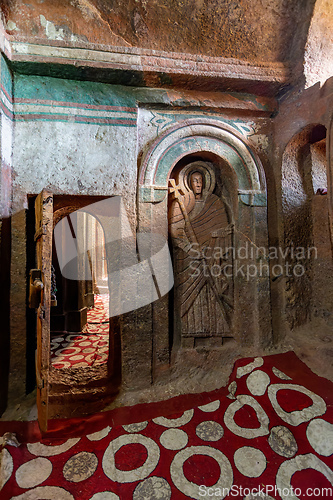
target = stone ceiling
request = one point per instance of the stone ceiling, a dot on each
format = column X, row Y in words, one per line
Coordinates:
column 252, row 30
column 259, row 46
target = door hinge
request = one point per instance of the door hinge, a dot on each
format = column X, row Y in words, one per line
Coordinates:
column 40, row 232
column 41, row 312
column 35, row 288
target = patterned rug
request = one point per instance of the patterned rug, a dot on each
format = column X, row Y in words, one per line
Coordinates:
column 270, row 431
column 90, row 348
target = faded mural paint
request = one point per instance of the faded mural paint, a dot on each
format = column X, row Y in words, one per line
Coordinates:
column 80, row 137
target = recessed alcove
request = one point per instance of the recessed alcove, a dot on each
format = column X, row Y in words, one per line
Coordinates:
column 307, row 229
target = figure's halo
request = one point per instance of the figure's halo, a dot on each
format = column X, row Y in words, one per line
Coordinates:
column 208, row 174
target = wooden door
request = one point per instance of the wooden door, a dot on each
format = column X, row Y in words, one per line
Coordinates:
column 43, row 239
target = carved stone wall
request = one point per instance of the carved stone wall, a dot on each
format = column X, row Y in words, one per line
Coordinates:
column 203, row 140
column 303, row 140
column 201, row 229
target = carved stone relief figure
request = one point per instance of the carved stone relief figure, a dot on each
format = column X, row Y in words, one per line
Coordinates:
column 202, row 236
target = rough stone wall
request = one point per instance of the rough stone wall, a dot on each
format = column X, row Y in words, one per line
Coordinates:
column 322, row 297
column 78, row 137
column 319, row 168
column 12, row 348
column 88, row 138
column 318, row 57
column 297, row 195
column 74, row 138
column 301, row 166
column 273, row 30
column 4, row 310
column 67, row 146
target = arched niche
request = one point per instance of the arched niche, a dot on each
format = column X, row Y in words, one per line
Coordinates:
column 306, row 205
column 194, row 137
column 210, row 140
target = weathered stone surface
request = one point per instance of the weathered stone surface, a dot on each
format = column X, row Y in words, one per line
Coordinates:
column 318, row 56
column 99, row 137
column 248, row 29
column 200, row 255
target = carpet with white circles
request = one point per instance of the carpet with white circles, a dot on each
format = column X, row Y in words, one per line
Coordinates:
column 270, row 430
column 89, row 348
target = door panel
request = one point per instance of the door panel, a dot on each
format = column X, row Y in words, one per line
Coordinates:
column 43, row 239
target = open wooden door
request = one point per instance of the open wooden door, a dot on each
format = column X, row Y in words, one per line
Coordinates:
column 43, row 239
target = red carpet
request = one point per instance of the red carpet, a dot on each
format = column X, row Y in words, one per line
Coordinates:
column 90, row 348
column 273, row 432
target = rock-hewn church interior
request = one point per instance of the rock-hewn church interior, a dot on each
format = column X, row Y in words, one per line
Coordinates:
column 166, row 237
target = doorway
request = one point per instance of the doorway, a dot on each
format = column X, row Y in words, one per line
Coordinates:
column 80, row 308
column 71, row 304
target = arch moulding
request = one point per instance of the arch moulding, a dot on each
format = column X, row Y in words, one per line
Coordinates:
column 193, row 136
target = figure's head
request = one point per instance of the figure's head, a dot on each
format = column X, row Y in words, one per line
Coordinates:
column 196, row 182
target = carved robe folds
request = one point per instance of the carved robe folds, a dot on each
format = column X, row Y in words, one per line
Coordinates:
column 202, row 241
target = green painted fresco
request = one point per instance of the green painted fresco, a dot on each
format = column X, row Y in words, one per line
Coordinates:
column 77, row 72
column 6, row 77
column 90, row 86
column 128, row 79
column 163, row 120
column 195, row 144
column 151, row 195
column 40, row 88
column 254, row 200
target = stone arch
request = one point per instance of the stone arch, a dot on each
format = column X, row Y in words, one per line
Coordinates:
column 195, row 136
column 296, row 176
column 303, row 160
column 206, row 138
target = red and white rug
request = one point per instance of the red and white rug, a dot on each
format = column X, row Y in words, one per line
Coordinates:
column 269, row 431
column 90, row 348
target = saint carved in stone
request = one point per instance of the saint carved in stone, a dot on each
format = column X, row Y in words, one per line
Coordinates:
column 202, row 238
